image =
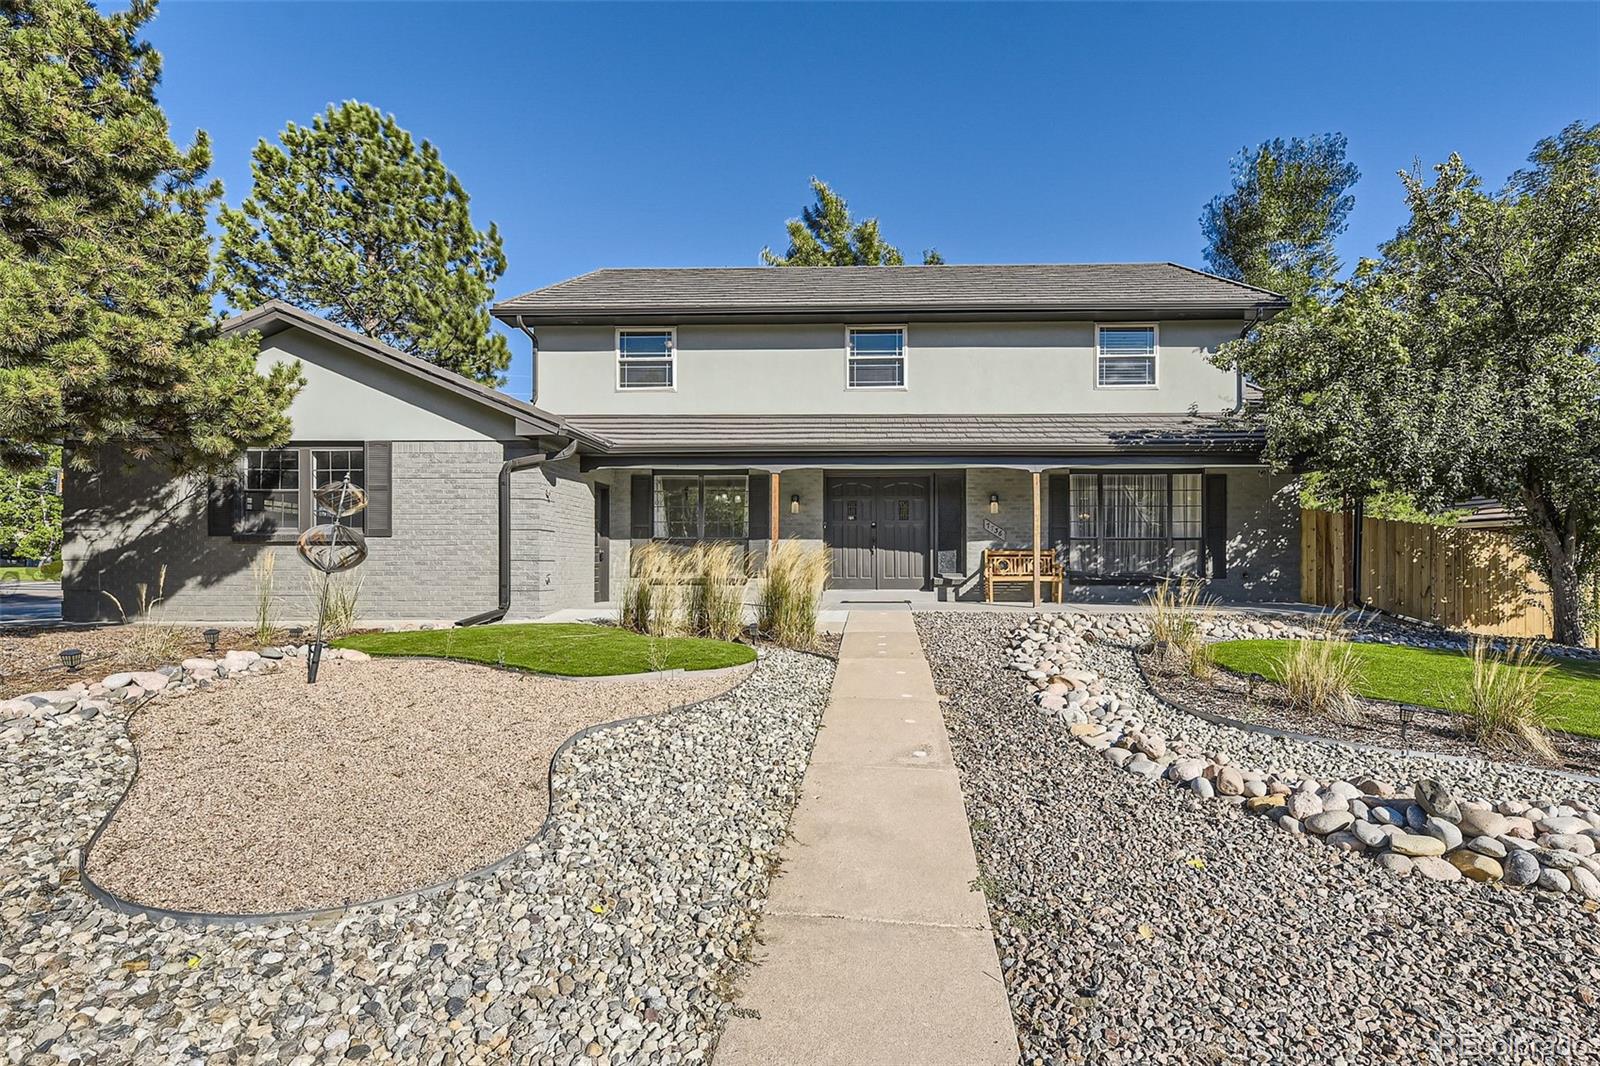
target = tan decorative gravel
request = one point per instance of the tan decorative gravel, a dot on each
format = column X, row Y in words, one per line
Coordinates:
column 272, row 795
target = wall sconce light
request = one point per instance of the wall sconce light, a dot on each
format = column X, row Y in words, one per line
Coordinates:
column 71, row 658
column 794, row 503
column 994, row 503
column 212, row 636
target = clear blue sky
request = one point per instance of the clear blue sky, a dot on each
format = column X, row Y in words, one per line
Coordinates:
column 621, row 135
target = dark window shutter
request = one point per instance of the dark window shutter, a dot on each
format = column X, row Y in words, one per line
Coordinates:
column 222, row 506
column 760, row 506
column 1216, row 497
column 1060, row 506
column 643, row 507
column 379, row 518
column 950, row 530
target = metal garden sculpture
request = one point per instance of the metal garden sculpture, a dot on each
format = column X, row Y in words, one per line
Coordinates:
column 332, row 548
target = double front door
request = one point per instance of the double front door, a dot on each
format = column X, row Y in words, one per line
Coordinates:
column 877, row 531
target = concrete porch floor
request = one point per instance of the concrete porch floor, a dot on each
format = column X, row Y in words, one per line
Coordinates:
column 838, row 603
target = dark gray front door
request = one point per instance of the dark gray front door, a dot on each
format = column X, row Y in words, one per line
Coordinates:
column 877, row 530
column 602, row 543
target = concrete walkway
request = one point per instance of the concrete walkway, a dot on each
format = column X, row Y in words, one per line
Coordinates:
column 877, row 949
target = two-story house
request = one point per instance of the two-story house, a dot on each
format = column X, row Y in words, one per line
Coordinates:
column 907, row 417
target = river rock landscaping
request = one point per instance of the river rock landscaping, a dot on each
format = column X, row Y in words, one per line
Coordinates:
column 611, row 938
column 1166, row 889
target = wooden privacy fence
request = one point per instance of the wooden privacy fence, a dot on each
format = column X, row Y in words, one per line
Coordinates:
column 1472, row 579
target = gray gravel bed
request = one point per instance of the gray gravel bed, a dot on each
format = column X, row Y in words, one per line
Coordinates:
column 612, row 939
column 1137, row 922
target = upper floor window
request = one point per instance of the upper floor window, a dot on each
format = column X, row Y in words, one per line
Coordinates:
column 877, row 358
column 1125, row 356
column 646, row 359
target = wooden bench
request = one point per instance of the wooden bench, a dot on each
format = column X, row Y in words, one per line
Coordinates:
column 1015, row 565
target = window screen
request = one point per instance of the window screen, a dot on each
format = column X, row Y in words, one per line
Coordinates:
column 877, row 358
column 1126, row 356
column 645, row 359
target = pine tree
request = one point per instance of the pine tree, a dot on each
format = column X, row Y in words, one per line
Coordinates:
column 106, row 331
column 826, row 235
column 353, row 220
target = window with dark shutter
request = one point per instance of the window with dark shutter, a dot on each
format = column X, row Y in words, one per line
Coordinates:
column 641, row 507
column 222, row 506
column 760, row 506
column 380, row 493
column 1217, row 524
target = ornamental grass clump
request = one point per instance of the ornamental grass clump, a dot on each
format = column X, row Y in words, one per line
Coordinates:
column 796, row 576
column 717, row 578
column 262, row 569
column 1176, row 617
column 1320, row 675
column 1505, row 700
column 652, row 597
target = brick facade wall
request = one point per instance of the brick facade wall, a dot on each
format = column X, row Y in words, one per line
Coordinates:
column 441, row 562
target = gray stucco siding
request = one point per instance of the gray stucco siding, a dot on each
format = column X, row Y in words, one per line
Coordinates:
column 951, row 368
column 350, row 396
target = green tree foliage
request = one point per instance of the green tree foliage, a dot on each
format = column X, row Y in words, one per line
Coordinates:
column 1463, row 362
column 106, row 331
column 30, row 508
column 1276, row 227
column 826, row 235
column 354, row 221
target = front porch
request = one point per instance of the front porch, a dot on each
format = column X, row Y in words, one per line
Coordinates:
column 920, row 532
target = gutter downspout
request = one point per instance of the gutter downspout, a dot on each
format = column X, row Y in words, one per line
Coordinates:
column 1238, row 375
column 533, row 362
column 507, row 468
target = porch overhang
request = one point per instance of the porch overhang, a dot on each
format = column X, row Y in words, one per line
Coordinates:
column 775, row 463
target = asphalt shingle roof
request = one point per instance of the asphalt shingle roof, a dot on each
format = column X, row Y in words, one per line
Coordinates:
column 1064, row 289
column 945, row 435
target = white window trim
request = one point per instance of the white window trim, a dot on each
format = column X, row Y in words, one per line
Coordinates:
column 1155, row 357
column 905, row 358
column 672, row 357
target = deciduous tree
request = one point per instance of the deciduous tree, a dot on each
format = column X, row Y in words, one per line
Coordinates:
column 826, row 235
column 1466, row 357
column 30, row 508
column 106, row 330
column 353, row 220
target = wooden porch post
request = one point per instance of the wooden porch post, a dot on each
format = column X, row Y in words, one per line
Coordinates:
column 1036, row 600
column 772, row 511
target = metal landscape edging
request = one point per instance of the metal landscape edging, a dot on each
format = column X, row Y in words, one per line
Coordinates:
column 123, row 905
column 1352, row 745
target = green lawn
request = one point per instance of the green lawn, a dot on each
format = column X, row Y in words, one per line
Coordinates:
column 47, row 572
column 575, row 649
column 1431, row 678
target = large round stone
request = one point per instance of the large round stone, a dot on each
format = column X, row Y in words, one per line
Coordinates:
column 1475, row 867
column 1481, row 822
column 1435, row 869
column 1521, row 868
column 1416, row 846
column 1399, row 865
column 1437, row 800
column 1328, row 822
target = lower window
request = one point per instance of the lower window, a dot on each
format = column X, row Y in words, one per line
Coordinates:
column 1134, row 525
column 690, row 507
column 276, row 497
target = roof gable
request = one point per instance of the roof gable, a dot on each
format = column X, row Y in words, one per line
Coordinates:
column 275, row 316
